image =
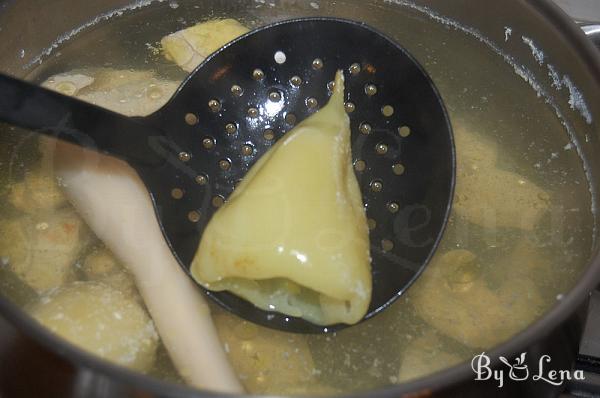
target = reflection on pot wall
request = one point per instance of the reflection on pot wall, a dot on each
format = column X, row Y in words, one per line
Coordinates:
column 581, row 10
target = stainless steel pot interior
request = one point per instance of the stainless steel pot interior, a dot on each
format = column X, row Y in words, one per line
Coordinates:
column 461, row 43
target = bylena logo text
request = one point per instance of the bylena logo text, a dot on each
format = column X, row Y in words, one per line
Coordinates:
column 519, row 371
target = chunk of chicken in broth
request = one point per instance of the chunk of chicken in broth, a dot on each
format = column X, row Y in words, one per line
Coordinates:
column 454, row 297
column 38, row 192
column 101, row 265
column 68, row 83
column 129, row 92
column 100, row 319
column 41, row 249
column 481, row 188
column 455, row 293
column 269, row 361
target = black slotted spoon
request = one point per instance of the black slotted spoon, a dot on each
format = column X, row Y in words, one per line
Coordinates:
column 235, row 105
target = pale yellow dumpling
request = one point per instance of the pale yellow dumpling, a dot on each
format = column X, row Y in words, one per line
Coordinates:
column 293, row 237
column 101, row 320
column 189, row 47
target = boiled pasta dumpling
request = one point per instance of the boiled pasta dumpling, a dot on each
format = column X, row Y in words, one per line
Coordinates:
column 293, row 237
column 189, row 47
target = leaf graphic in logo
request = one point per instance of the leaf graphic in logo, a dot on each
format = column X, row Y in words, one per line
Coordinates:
column 505, row 361
column 519, row 371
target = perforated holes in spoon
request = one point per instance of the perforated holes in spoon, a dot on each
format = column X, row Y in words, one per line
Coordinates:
column 252, row 132
column 363, row 96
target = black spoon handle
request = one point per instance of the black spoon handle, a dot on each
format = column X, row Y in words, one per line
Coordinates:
column 32, row 107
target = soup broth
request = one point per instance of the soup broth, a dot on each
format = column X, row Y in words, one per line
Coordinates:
column 518, row 238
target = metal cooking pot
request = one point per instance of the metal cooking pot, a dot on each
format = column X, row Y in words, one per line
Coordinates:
column 35, row 363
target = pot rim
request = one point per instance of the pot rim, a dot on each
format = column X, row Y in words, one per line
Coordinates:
column 588, row 280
